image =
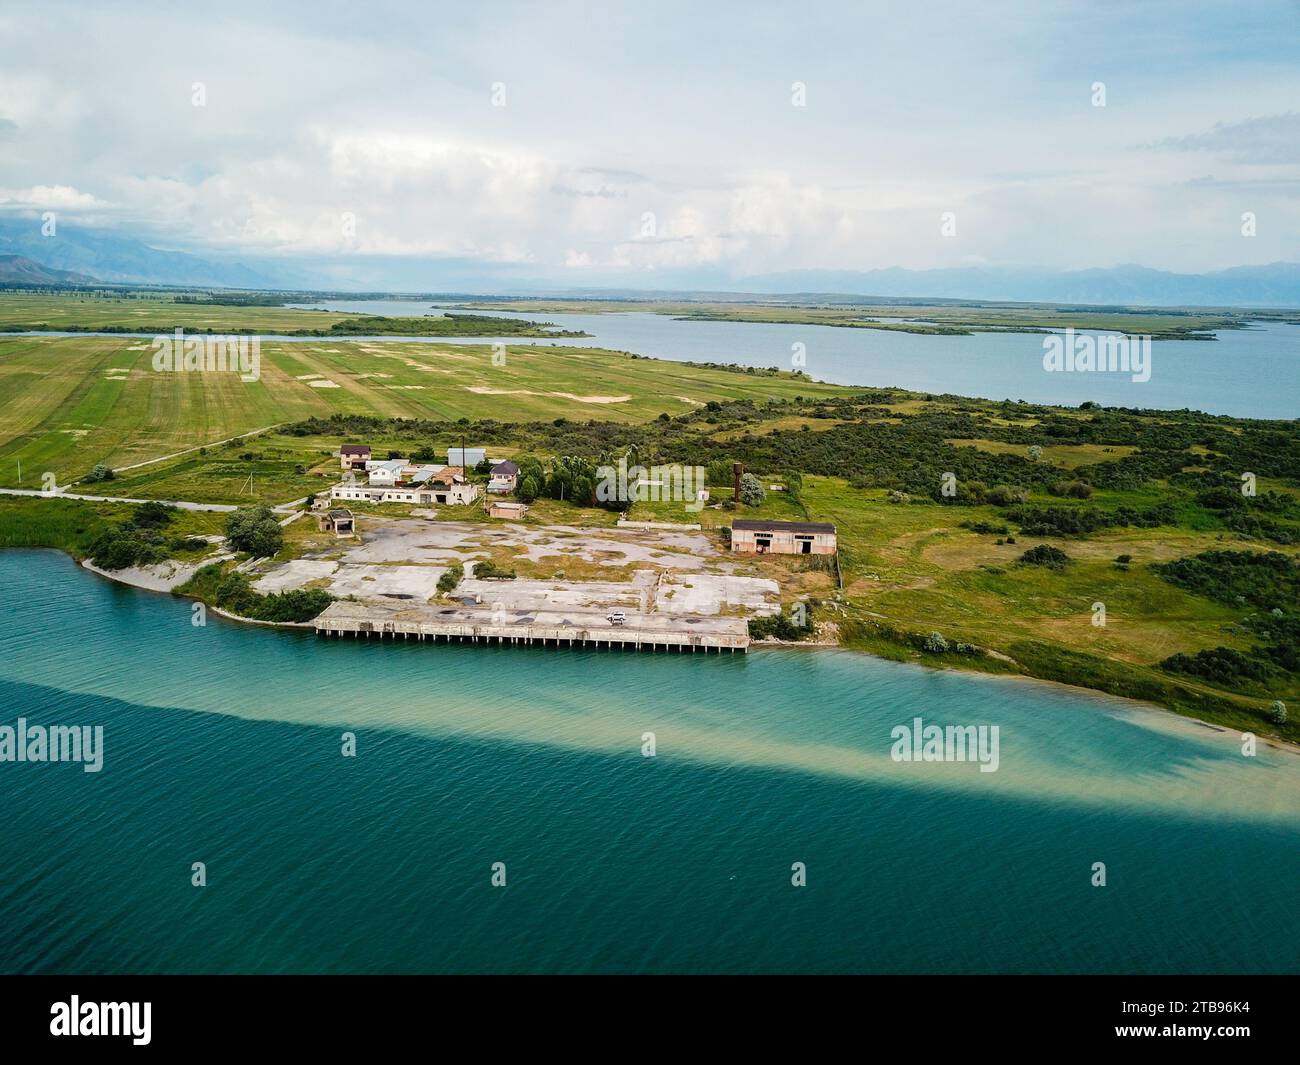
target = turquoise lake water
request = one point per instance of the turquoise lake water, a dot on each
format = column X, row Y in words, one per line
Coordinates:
column 222, row 745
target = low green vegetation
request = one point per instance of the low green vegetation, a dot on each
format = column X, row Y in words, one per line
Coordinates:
column 231, row 591
column 944, row 317
column 138, row 541
column 1266, row 580
column 489, row 570
column 1267, row 585
column 453, row 576
column 62, row 524
column 791, row 623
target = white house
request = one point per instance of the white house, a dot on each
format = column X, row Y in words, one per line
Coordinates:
column 422, row 474
column 421, row 495
column 386, row 474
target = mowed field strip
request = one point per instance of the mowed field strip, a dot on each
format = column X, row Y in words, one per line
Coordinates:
column 149, row 314
column 71, row 402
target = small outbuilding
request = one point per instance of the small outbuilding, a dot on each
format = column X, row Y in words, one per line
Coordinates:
column 754, row 537
column 339, row 521
column 499, row 508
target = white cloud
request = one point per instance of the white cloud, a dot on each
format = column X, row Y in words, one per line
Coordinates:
column 50, row 197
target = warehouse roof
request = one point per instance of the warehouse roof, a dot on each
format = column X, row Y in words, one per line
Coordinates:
column 783, row 526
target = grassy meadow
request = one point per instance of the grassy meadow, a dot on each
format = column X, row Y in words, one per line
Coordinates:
column 73, row 402
column 152, row 313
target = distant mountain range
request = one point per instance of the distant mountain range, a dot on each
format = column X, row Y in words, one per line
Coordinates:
column 18, row 270
column 117, row 258
column 109, row 257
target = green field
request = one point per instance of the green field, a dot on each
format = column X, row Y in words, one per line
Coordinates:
column 152, row 313
column 72, row 402
column 127, row 312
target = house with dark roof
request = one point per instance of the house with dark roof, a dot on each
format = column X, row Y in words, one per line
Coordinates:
column 351, row 455
column 755, row 537
column 505, row 478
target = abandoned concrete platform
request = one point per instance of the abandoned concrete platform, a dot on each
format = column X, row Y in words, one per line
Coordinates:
column 549, row 628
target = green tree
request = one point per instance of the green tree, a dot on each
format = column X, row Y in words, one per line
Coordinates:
column 751, row 490
column 255, row 530
column 574, row 479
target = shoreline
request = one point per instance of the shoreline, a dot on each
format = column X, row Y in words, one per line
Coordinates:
column 1143, row 705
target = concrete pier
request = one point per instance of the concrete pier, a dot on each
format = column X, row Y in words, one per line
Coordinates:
column 641, row 632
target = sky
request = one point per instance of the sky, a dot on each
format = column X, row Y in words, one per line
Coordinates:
column 654, row 142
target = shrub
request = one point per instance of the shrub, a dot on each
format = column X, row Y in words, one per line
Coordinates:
column 1005, row 495
column 1261, row 579
column 751, row 490
column 1277, row 712
column 452, row 577
column 487, row 570
column 784, row 625
column 988, row 528
column 1221, row 665
column 934, row 643
column 1221, row 499
column 1078, row 521
column 99, row 473
column 121, row 548
column 1044, row 555
column 1072, row 489
column 152, row 515
column 136, row 542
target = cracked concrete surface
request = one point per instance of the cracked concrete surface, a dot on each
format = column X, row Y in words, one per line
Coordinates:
column 402, row 560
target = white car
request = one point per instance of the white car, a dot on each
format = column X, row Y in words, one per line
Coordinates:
column 616, row 617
